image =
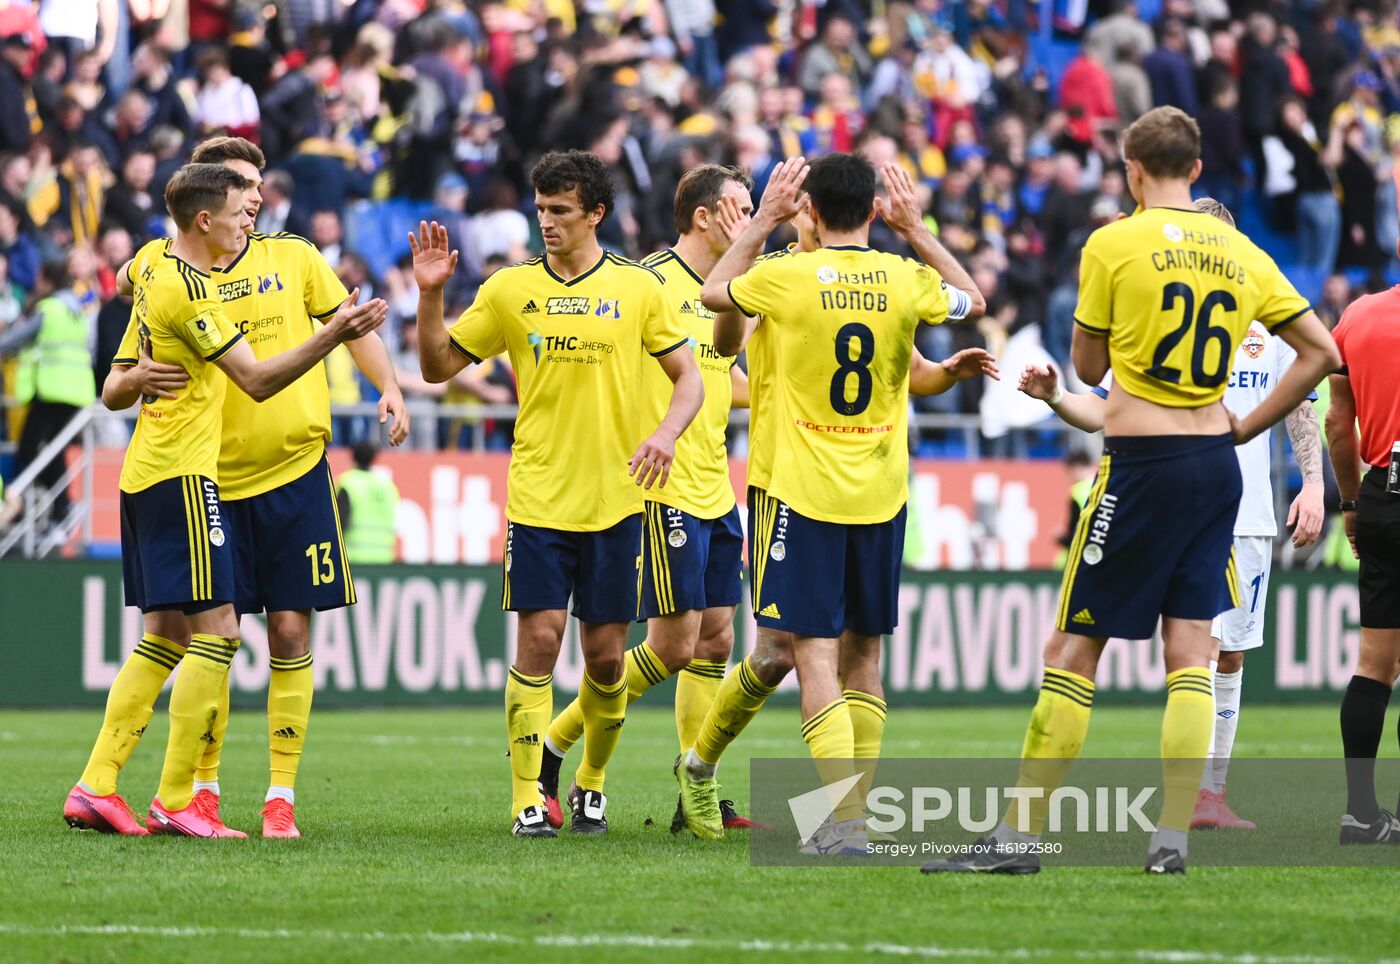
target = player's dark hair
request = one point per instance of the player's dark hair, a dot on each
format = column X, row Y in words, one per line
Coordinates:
column 1165, row 141
column 560, row 172
column 842, row 190
column 702, row 187
column 221, row 150
column 201, row 187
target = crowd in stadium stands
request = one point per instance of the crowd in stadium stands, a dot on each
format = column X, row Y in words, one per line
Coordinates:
column 375, row 112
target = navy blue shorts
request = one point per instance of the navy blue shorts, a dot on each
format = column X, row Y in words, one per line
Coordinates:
column 1155, row 537
column 815, row 578
column 177, row 550
column 289, row 553
column 600, row 570
column 689, row 563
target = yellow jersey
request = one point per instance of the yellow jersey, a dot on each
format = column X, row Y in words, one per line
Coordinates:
column 178, row 320
column 843, row 320
column 1174, row 291
column 578, row 348
column 761, row 352
column 699, row 482
column 275, row 292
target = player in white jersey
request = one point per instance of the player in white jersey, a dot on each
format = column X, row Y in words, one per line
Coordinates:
column 1259, row 363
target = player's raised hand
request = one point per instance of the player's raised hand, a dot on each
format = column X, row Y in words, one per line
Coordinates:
column 155, row 378
column 1038, row 381
column 1306, row 511
column 901, row 209
column 971, row 362
column 353, row 321
column 651, row 463
column 391, row 404
column 783, row 196
column 730, row 217
column 434, row 261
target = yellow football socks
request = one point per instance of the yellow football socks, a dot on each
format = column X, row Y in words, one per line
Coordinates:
column 194, row 711
column 1059, row 724
column 604, row 708
column 1187, row 729
column 739, row 697
column 831, row 740
column 129, row 705
column 208, row 769
column 868, row 727
column 644, row 670
column 529, row 704
column 696, row 688
column 289, row 693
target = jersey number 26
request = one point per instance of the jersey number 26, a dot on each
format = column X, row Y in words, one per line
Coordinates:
column 1204, row 334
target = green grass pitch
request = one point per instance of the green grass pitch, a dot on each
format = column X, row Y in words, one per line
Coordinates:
column 406, row 856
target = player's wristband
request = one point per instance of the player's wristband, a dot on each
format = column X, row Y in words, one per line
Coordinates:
column 1056, row 398
column 1348, row 505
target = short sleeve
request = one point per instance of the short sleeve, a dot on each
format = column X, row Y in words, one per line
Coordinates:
column 478, row 333
column 1104, row 387
column 129, row 351
column 661, row 328
column 325, row 293
column 206, row 330
column 1281, row 305
column 754, row 292
column 1094, row 313
column 932, row 296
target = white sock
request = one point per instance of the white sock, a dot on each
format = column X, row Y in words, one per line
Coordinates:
column 281, row 793
column 211, row 785
column 549, row 745
column 1227, row 721
column 1207, row 777
column 1171, row 839
column 699, row 768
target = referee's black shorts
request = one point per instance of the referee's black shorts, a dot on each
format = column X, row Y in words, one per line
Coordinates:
column 1378, row 544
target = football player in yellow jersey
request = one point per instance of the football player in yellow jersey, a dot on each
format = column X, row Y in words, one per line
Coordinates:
column 181, row 575
column 578, row 324
column 693, row 540
column 748, row 685
column 279, row 506
column 829, row 541
column 1165, row 297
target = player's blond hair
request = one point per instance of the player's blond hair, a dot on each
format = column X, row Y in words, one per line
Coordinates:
column 1165, row 141
column 1209, row 205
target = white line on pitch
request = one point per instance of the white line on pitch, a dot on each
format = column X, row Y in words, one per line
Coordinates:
column 649, row 941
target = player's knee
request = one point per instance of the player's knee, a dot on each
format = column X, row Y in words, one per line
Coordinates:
column 1230, row 662
column 772, row 659
column 1075, row 654
column 717, row 645
column 605, row 668
column 288, row 635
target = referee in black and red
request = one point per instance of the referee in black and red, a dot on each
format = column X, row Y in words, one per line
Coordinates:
column 1366, row 392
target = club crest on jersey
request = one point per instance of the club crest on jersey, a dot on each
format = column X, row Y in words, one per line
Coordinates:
column 269, row 282
column 1173, row 232
column 1253, row 343
column 608, row 308
column 568, row 306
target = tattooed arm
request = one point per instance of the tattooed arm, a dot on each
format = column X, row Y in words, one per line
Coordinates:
column 1306, row 511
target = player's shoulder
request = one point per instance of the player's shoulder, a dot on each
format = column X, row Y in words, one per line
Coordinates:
column 774, row 256
column 512, row 277
column 277, row 238
column 634, row 271
column 171, row 280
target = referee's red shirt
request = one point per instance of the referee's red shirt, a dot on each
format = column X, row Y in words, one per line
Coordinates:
column 1368, row 336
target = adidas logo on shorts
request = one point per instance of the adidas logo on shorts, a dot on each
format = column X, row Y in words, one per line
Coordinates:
column 771, row 611
column 1083, row 617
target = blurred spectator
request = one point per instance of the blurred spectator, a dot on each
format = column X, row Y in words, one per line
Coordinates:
column 151, row 75
column 1086, row 96
column 19, row 113
column 1170, row 71
column 1311, row 191
column 131, row 202
column 1132, row 91
column 838, row 52
column 1222, row 147
column 1121, row 31
column 292, row 110
column 277, row 212
column 224, row 104
column 19, row 248
column 327, row 233
column 500, row 231
column 1263, row 79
